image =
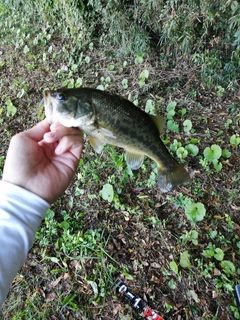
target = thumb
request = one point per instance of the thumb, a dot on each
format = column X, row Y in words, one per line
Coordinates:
column 37, row 132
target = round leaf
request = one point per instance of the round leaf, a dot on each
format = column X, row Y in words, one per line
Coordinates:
column 212, row 153
column 192, row 149
column 234, row 140
column 195, row 211
column 187, row 125
column 107, row 192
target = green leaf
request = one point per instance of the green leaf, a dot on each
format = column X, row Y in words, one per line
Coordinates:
column 149, row 108
column 101, row 87
column 125, row 83
column 64, row 225
column 226, row 154
column 94, row 287
column 219, row 254
column 174, row 267
column 172, row 126
column 171, row 109
column 208, row 253
column 26, row 49
column 234, row 140
column 194, row 140
column 184, row 260
column 187, row 125
column 217, row 165
column 68, row 300
column 54, row 259
column 141, row 83
column 49, row 215
column 87, row 59
column 170, row 114
column 139, row 58
column 193, row 236
column 182, row 153
column 228, row 267
column 111, row 67
column 171, row 106
column 127, row 275
column 175, row 145
column 182, row 112
column 212, row 153
column 195, row 211
column 107, row 192
column 172, row 284
column 144, row 74
column 79, row 82
column 40, row 110
column 11, row 109
column 192, row 149
column 213, row 234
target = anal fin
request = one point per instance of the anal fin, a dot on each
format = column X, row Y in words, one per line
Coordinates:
column 96, row 144
column 134, row 160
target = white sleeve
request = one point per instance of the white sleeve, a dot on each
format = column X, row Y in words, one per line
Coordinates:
column 21, row 213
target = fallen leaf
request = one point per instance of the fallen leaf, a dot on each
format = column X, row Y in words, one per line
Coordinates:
column 155, row 265
column 56, row 282
column 216, row 272
column 50, row 296
column 194, row 295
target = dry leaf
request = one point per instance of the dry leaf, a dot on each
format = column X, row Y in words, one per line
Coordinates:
column 50, row 296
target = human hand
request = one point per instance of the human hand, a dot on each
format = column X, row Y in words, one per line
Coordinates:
column 44, row 159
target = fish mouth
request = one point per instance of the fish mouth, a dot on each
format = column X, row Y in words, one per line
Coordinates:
column 48, row 105
column 53, row 115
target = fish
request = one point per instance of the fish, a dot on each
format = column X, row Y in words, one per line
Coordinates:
column 108, row 118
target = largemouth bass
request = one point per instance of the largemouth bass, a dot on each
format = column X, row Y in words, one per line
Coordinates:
column 110, row 119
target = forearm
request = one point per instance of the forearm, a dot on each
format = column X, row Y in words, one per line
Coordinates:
column 21, row 213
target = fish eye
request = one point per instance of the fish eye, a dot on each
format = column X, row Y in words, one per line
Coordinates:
column 61, row 97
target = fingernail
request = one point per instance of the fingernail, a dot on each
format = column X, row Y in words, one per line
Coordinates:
column 58, row 150
column 50, row 135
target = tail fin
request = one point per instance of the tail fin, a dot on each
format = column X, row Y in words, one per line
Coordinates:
column 169, row 179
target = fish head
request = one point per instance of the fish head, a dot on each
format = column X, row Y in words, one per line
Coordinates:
column 63, row 106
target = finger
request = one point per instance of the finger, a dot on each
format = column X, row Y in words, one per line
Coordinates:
column 71, row 143
column 36, row 133
column 58, row 131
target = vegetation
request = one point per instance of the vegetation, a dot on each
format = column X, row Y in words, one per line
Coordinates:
column 180, row 250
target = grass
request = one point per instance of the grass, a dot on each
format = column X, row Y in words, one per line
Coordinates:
column 179, row 250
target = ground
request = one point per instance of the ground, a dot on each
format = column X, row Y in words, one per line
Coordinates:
column 87, row 243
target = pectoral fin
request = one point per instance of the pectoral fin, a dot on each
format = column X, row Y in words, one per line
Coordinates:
column 96, row 144
column 106, row 133
column 134, row 160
